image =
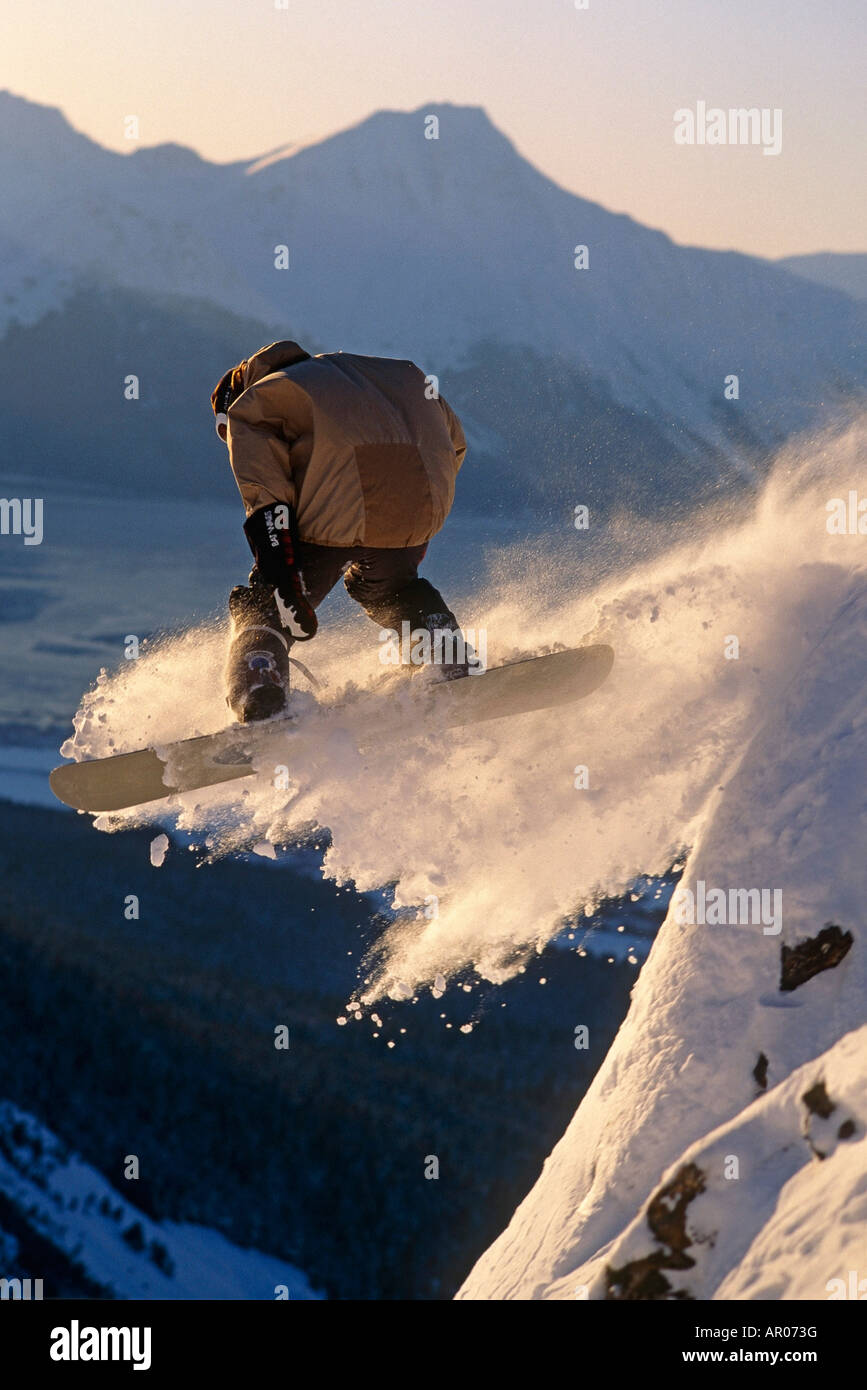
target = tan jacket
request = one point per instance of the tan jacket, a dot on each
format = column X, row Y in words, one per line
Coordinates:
column 353, row 443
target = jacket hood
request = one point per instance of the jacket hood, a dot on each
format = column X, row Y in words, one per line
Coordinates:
column 266, row 360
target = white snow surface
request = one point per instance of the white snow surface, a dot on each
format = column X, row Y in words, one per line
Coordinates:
column 71, row 1205
column 33, row 285
column 784, row 1224
column 678, row 1086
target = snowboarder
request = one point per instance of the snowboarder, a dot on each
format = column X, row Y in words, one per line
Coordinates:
column 346, row 465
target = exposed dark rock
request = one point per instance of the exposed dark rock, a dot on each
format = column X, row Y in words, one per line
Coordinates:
column 818, row 1102
column 134, row 1237
column 800, row 963
column 161, row 1257
column 760, row 1072
column 666, row 1213
column 666, row 1217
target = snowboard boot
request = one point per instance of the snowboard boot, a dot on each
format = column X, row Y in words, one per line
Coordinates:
column 257, row 668
column 423, row 607
column 427, row 610
column 449, row 652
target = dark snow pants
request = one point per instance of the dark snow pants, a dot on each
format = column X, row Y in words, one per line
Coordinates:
column 384, row 582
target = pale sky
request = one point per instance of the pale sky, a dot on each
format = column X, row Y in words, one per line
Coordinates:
column 588, row 95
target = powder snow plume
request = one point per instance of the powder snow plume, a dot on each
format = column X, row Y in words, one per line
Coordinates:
column 485, row 827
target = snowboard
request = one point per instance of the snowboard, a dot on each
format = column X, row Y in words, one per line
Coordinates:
column 150, row 774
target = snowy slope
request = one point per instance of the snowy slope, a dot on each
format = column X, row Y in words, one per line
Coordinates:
column 146, row 221
column 480, row 245
column 31, row 285
column 771, row 1205
column 117, row 1248
column 454, row 251
column 724, row 1014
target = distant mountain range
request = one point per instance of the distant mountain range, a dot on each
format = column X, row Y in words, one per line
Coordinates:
column 602, row 385
column 845, row 271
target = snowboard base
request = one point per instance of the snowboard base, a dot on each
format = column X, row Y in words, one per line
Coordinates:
column 132, row 779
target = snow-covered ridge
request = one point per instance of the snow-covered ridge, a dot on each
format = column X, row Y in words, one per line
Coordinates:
column 117, row 1248
column 445, row 250
column 719, row 1152
column 771, row 1205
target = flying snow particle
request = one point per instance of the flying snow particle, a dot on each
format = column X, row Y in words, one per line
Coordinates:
column 159, row 849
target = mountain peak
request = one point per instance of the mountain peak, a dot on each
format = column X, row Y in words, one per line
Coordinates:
column 453, row 122
column 18, row 110
column 391, row 138
column 37, row 129
column 171, row 157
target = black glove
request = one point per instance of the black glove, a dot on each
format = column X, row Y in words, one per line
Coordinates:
column 272, row 534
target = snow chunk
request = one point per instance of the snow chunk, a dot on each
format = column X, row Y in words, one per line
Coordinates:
column 159, row 850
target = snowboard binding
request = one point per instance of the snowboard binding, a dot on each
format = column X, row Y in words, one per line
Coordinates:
column 257, row 667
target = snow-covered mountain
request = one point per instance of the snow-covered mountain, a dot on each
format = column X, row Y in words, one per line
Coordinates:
column 31, row 286
column 721, row 1149
column 458, row 252
column 61, row 1222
